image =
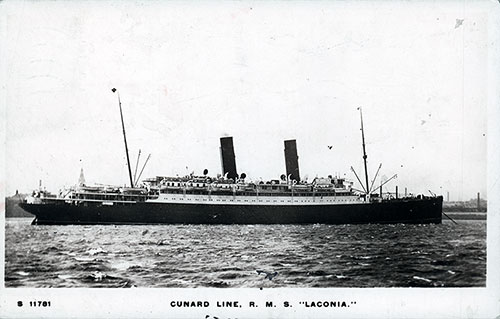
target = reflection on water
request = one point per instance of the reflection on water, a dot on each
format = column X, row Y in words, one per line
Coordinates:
column 445, row 255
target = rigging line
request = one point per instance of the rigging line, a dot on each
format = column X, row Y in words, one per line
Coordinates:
column 139, row 177
column 450, row 218
column 387, row 181
column 364, row 190
column 137, row 164
column 375, row 178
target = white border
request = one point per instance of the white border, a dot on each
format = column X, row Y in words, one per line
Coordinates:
column 374, row 303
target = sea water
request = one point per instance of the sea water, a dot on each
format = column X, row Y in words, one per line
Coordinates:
column 443, row 255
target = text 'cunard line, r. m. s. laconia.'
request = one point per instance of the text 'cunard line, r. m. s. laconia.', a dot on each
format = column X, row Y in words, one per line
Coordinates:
column 267, row 304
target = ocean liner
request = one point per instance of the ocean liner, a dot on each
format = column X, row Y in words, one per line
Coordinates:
column 230, row 198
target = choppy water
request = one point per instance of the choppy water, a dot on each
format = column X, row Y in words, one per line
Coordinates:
column 229, row 256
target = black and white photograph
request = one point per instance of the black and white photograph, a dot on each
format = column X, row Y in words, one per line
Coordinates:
column 250, row 159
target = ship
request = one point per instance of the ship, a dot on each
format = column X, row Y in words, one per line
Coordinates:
column 232, row 198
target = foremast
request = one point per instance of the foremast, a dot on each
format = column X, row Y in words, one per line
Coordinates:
column 124, row 138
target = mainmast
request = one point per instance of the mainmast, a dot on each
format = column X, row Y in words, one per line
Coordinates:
column 364, row 150
column 124, row 138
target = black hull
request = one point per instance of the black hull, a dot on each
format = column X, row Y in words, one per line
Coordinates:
column 411, row 211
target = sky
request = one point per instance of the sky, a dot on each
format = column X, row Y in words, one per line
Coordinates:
column 262, row 72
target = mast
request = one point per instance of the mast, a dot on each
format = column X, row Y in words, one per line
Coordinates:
column 364, row 150
column 124, row 137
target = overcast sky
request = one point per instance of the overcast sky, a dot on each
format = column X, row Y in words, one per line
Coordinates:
column 262, row 72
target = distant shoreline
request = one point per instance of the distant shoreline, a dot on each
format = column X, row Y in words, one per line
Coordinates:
column 466, row 215
column 12, row 208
